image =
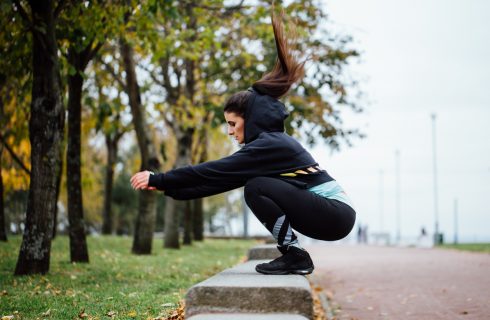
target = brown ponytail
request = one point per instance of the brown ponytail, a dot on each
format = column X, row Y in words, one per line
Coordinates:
column 276, row 83
column 287, row 69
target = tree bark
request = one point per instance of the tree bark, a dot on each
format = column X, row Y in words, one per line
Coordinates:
column 198, row 220
column 198, row 213
column 188, row 219
column 45, row 134
column 171, row 227
column 3, row 229
column 78, row 242
column 184, row 157
column 108, row 219
column 3, row 225
column 58, row 187
column 145, row 220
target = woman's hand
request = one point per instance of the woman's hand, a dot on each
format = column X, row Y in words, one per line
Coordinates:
column 140, row 180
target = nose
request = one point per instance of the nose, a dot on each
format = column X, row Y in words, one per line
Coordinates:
column 230, row 130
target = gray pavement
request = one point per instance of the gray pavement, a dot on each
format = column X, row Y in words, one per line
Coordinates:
column 369, row 282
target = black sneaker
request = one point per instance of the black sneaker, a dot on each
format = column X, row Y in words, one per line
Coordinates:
column 294, row 260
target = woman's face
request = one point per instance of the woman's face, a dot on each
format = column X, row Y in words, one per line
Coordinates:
column 236, row 126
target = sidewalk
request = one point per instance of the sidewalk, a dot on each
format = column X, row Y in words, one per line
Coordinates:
column 369, row 282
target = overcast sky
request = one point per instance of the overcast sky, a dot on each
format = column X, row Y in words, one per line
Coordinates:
column 419, row 57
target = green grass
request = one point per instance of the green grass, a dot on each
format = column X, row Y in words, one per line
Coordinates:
column 476, row 247
column 115, row 281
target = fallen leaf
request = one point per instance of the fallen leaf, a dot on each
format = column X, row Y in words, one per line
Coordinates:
column 132, row 314
column 47, row 313
column 7, row 317
column 4, row 293
column 82, row 314
column 111, row 313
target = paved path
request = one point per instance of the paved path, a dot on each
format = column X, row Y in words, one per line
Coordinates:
column 369, row 282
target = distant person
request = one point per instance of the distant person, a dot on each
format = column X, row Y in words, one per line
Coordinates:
column 359, row 234
column 424, row 240
column 284, row 185
column 365, row 234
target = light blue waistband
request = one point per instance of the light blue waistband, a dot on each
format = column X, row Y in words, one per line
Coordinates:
column 332, row 190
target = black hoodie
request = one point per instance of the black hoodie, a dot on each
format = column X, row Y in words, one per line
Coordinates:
column 268, row 151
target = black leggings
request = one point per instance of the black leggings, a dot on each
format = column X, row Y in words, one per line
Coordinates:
column 280, row 205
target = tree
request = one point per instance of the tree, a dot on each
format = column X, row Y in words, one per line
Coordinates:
column 15, row 87
column 85, row 38
column 3, row 229
column 143, row 235
column 108, row 114
column 45, row 133
column 182, row 45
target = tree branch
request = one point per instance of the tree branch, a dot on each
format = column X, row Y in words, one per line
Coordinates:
column 22, row 12
column 152, row 75
column 228, row 10
column 94, row 51
column 58, row 9
column 113, row 73
column 14, row 156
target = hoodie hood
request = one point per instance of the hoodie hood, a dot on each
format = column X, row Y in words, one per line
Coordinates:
column 263, row 114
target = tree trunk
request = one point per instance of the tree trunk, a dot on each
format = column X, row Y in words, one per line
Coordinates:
column 58, row 187
column 108, row 220
column 45, row 134
column 3, row 225
column 198, row 220
column 78, row 242
column 3, row 229
column 171, row 227
column 198, row 213
column 145, row 220
column 188, row 218
column 184, row 144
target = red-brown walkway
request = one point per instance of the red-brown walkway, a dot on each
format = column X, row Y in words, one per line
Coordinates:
column 369, row 282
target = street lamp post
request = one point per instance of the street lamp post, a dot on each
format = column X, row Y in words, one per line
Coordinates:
column 381, row 195
column 436, row 213
column 398, row 214
column 455, row 221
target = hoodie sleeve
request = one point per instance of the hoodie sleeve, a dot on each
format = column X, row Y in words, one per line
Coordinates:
column 202, row 191
column 235, row 169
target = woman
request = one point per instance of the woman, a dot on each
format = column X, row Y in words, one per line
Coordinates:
column 284, row 186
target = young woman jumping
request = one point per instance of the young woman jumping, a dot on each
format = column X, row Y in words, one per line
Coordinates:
column 285, row 187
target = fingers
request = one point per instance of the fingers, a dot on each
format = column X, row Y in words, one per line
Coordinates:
column 140, row 180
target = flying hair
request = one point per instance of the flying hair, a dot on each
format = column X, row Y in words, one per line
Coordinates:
column 287, row 69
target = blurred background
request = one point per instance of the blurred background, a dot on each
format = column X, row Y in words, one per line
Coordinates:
column 395, row 106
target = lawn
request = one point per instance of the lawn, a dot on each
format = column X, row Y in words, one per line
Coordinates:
column 476, row 247
column 115, row 284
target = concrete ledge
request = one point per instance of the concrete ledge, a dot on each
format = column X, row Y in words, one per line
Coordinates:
column 242, row 290
column 247, row 316
column 266, row 251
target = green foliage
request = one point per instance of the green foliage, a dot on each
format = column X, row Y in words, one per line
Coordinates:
column 475, row 247
column 115, row 281
column 225, row 48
